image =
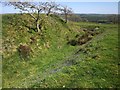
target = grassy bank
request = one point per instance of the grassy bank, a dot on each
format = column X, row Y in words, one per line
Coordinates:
column 58, row 64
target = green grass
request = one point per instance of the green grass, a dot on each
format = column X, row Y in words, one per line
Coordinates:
column 89, row 72
column 95, row 66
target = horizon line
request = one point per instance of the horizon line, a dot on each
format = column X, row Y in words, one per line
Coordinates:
column 73, row 13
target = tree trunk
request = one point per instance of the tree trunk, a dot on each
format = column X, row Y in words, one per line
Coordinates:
column 38, row 26
column 38, row 29
column 48, row 12
column 65, row 18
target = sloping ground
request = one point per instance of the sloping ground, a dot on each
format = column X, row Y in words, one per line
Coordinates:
column 46, row 50
column 93, row 64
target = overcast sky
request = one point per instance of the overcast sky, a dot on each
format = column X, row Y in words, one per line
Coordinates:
column 80, row 7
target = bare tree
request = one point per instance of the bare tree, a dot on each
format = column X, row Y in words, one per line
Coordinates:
column 50, row 7
column 32, row 9
column 66, row 11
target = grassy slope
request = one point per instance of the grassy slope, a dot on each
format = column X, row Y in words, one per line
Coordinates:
column 87, row 71
column 95, row 66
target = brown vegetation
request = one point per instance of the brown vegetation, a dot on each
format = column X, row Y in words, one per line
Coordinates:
column 24, row 51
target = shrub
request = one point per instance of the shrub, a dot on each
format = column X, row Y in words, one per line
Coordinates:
column 24, row 51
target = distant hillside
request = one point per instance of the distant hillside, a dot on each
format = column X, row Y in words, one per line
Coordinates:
column 103, row 18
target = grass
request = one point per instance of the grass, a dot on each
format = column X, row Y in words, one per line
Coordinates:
column 89, row 72
column 92, row 65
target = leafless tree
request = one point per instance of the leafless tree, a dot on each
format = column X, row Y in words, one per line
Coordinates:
column 32, row 9
column 66, row 11
column 50, row 7
column 35, row 9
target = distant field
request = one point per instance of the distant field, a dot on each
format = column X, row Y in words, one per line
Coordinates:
column 92, row 62
column 100, row 18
